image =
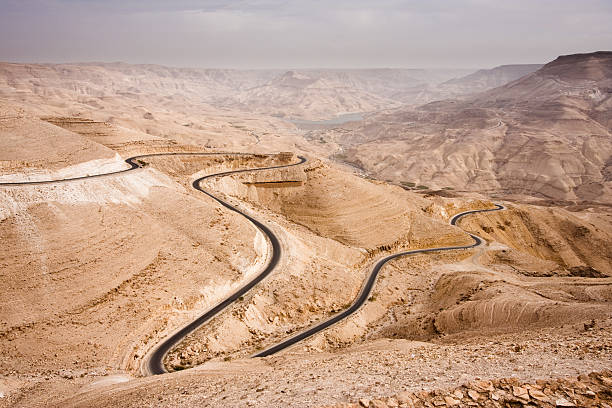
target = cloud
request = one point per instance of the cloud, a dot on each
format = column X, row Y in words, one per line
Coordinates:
column 303, row 33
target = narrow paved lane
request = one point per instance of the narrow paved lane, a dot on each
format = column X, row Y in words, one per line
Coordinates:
column 153, row 364
column 369, row 284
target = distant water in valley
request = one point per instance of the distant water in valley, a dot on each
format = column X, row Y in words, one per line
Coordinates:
column 338, row 120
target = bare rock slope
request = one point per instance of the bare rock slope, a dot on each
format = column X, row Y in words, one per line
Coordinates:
column 33, row 149
column 547, row 135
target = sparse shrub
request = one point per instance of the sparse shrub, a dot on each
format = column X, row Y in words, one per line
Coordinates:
column 407, row 184
column 422, row 187
column 372, row 298
column 447, row 188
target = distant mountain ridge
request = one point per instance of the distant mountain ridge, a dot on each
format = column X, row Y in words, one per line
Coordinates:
column 586, row 77
column 311, row 94
column 491, row 78
column 464, row 86
column 298, row 93
column 547, row 134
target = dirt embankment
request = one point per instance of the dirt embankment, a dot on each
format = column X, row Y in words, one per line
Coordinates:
column 346, row 208
column 33, row 149
column 578, row 245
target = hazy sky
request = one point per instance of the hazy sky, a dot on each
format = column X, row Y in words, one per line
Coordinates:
column 303, row 33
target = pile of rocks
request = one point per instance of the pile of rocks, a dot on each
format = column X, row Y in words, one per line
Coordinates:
column 593, row 390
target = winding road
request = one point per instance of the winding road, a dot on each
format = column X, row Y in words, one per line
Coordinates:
column 153, row 363
column 364, row 294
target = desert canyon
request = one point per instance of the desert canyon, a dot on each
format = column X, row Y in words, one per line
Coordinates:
column 104, row 260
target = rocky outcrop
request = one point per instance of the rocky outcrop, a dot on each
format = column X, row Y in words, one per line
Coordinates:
column 593, row 390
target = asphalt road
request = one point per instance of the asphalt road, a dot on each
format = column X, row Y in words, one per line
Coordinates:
column 154, row 362
column 367, row 288
column 133, row 162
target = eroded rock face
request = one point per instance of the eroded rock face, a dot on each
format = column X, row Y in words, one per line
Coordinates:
column 591, row 390
column 546, row 135
column 32, row 149
column 567, row 243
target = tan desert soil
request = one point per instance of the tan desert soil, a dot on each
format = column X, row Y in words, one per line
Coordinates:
column 380, row 369
column 33, row 149
column 94, row 273
column 573, row 241
column 394, row 293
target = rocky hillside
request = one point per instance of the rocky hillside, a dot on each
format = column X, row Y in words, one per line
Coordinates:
column 583, row 78
column 33, row 149
column 108, row 79
column 462, row 86
column 591, row 390
column 309, row 96
column 547, row 135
